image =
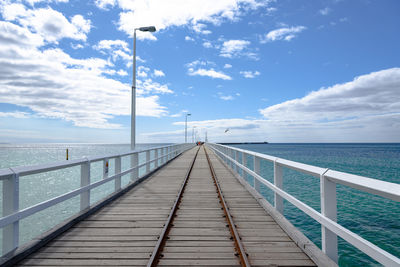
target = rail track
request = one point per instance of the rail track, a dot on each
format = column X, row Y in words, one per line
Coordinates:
column 239, row 252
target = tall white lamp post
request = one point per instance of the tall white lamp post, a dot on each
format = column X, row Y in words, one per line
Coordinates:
column 133, row 111
column 188, row 114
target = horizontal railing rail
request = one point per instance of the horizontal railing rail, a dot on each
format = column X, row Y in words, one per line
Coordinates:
column 11, row 179
column 328, row 180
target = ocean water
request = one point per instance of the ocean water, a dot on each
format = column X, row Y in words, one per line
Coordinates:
column 372, row 217
column 41, row 187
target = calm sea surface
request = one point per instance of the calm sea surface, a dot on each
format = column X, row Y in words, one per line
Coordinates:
column 374, row 218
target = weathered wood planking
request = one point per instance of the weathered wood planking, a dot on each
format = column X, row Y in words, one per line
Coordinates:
column 125, row 232
column 200, row 200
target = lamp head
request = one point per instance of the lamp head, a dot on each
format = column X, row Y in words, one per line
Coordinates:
column 188, row 114
column 147, row 29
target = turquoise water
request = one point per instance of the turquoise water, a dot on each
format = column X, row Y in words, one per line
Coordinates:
column 372, row 217
column 41, row 187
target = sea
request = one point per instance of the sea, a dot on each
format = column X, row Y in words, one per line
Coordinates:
column 372, row 217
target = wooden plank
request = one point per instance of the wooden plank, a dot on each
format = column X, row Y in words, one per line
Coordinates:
column 125, row 232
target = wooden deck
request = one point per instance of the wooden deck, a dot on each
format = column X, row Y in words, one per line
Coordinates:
column 125, row 232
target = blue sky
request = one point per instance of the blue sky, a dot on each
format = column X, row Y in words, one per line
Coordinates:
column 277, row 71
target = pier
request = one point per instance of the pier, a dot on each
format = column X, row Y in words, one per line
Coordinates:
column 191, row 207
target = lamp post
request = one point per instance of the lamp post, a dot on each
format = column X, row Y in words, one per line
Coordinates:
column 187, row 114
column 133, row 111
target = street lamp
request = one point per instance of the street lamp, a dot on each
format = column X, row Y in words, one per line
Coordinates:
column 133, row 111
column 187, row 114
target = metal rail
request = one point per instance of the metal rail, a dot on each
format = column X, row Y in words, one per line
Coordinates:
column 10, row 179
column 167, row 226
column 232, row 228
column 237, row 159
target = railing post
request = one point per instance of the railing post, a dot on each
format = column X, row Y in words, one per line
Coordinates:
column 105, row 168
column 135, row 163
column 147, row 161
column 117, row 171
column 237, row 160
column 329, row 209
column 232, row 155
column 85, row 180
column 244, row 163
column 256, row 170
column 11, row 205
column 156, row 158
column 278, row 182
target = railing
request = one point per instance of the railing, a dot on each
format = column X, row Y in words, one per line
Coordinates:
column 11, row 177
column 328, row 180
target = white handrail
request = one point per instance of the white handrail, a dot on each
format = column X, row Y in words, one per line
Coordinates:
column 10, row 177
column 327, row 218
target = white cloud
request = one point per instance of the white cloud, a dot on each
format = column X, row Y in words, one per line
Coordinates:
column 226, row 97
column 179, row 114
column 50, row 24
column 158, row 73
column 105, row 4
column 209, row 73
column 286, row 34
column 374, row 94
column 200, row 28
column 250, row 74
column 15, row 114
column 207, row 44
column 111, row 45
column 366, row 109
column 117, row 49
column 142, row 71
column 52, row 84
column 12, row 34
column 236, row 48
column 164, row 14
column 122, row 73
column 198, row 68
column 188, row 38
column 33, row 2
column 77, row 46
column 227, row 66
column 325, row 11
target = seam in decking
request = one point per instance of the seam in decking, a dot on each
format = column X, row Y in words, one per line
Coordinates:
column 125, row 232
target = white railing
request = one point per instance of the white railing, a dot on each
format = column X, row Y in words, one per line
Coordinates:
column 328, row 180
column 11, row 177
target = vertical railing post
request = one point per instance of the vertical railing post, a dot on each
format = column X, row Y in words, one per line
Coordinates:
column 278, row 182
column 156, row 158
column 85, row 180
column 10, row 205
column 256, row 170
column 237, row 160
column 329, row 209
column 231, row 154
column 147, row 161
column 117, row 184
column 244, row 163
column 135, row 163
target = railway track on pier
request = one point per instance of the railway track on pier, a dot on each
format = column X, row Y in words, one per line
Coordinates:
column 185, row 216
column 214, row 218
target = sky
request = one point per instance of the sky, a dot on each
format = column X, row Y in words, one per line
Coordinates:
column 246, row 70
